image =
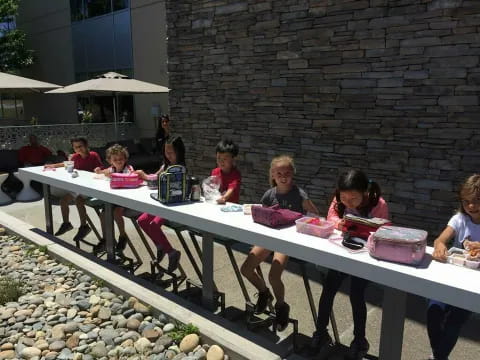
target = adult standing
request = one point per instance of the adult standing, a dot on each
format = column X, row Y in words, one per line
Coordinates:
column 33, row 153
column 163, row 133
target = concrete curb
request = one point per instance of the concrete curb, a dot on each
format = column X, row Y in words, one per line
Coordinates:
column 237, row 342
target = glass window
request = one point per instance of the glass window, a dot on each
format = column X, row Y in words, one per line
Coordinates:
column 11, row 107
column 99, row 109
column 98, row 7
column 120, row 4
column 77, row 10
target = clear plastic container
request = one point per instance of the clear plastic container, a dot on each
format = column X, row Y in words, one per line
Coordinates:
column 459, row 257
column 308, row 225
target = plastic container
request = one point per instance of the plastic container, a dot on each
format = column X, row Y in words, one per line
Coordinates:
column 308, row 225
column 152, row 181
column 459, row 257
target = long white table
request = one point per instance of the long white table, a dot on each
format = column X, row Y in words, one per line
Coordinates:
column 444, row 282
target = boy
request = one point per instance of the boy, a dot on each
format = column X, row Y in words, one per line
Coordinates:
column 83, row 159
column 229, row 175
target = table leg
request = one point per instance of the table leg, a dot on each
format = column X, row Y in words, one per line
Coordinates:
column 48, row 208
column 207, row 272
column 393, row 319
column 109, row 237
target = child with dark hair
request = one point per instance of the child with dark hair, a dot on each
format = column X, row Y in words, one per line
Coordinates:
column 358, row 195
column 86, row 160
column 230, row 177
column 174, row 154
column 444, row 321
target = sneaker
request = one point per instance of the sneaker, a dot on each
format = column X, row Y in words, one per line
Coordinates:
column 358, row 349
column 173, row 260
column 100, row 247
column 321, row 343
column 282, row 313
column 64, row 228
column 122, row 242
column 264, row 298
column 83, row 231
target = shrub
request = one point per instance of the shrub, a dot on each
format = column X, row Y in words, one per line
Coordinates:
column 10, row 289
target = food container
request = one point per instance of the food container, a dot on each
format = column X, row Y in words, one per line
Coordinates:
column 69, row 165
column 152, row 181
column 460, row 257
column 315, row 226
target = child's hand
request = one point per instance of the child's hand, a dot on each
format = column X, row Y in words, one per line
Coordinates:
column 49, row 166
column 471, row 245
column 340, row 224
column 440, row 251
column 140, row 173
column 97, row 170
column 221, row 200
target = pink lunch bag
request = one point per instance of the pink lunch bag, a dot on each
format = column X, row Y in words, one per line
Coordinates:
column 128, row 181
column 398, row 244
column 274, row 216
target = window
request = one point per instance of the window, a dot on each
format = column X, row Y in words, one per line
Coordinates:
column 11, row 107
column 84, row 9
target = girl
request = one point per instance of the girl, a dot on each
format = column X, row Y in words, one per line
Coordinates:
column 117, row 157
column 357, row 195
column 445, row 321
column 163, row 133
column 174, row 154
column 289, row 196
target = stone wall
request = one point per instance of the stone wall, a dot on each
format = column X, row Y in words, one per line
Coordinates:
column 390, row 87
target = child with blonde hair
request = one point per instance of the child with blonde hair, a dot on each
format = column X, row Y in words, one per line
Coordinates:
column 444, row 321
column 287, row 195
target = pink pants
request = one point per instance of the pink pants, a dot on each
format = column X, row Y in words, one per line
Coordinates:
column 152, row 225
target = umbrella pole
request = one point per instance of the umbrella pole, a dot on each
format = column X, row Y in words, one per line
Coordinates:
column 115, row 116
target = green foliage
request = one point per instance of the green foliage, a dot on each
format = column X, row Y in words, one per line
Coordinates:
column 183, row 330
column 14, row 54
column 99, row 283
column 10, row 290
column 30, row 251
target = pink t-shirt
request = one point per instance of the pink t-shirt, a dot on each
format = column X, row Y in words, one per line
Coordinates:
column 231, row 180
column 89, row 163
column 380, row 211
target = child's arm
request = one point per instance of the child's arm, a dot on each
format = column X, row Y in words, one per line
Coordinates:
column 141, row 173
column 309, row 207
column 440, row 244
column 224, row 198
column 232, row 186
column 57, row 165
column 333, row 216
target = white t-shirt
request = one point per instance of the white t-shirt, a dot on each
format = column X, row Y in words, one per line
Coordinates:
column 464, row 229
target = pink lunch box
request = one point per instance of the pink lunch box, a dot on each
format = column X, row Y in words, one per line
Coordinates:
column 398, row 244
column 125, row 181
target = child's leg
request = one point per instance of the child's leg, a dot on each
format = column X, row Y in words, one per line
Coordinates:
column 64, row 207
column 435, row 326
column 332, row 283
column 255, row 257
column 359, row 307
column 275, row 276
column 82, row 211
column 118, row 216
column 454, row 320
column 152, row 225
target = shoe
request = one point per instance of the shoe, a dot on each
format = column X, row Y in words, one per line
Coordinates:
column 64, row 228
column 100, row 247
column 83, row 231
column 160, row 255
column 321, row 343
column 122, row 242
column 173, row 260
column 282, row 313
column 358, row 349
column 264, row 298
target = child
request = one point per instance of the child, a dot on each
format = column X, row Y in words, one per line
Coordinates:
column 117, row 157
column 229, row 175
column 83, row 159
column 289, row 196
column 445, row 321
column 174, row 154
column 357, row 195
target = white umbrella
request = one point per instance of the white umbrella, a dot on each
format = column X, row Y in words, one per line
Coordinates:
column 113, row 84
column 18, row 84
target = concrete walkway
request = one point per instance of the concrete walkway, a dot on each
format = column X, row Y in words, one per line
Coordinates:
column 416, row 345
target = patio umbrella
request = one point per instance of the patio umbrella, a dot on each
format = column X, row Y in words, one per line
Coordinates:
column 18, row 84
column 113, row 84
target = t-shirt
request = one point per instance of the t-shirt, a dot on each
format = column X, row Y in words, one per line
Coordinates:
column 380, row 211
column 89, row 163
column 464, row 229
column 293, row 200
column 34, row 155
column 231, row 180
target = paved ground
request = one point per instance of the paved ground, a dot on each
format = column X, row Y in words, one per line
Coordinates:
column 415, row 342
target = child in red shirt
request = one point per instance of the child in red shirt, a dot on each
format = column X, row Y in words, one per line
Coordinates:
column 83, row 159
column 229, row 175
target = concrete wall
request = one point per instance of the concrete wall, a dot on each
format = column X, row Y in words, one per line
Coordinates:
column 47, row 24
column 387, row 86
column 149, row 59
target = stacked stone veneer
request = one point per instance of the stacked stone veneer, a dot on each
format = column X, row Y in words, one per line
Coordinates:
column 390, row 87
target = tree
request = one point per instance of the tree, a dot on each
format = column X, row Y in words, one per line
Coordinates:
column 14, row 54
